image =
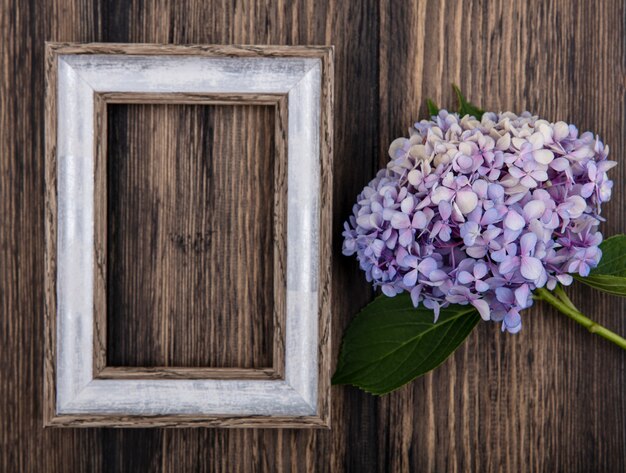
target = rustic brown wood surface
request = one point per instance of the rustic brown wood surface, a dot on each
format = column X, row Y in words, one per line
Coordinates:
column 549, row 399
column 186, row 267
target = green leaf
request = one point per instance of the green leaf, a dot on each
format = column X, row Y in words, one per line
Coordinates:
column 613, row 262
column 611, row 284
column 432, row 108
column 390, row 343
column 610, row 275
column 465, row 107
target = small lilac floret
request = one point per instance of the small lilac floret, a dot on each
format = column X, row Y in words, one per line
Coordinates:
column 482, row 212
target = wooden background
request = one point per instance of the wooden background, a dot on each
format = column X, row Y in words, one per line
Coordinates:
column 190, row 200
column 548, row 399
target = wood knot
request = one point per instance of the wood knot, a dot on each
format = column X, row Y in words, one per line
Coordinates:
column 199, row 242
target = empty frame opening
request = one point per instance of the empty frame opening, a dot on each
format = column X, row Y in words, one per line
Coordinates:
column 190, row 240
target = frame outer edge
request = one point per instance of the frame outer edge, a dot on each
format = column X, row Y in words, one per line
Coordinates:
column 50, row 213
column 223, row 50
column 326, row 210
column 322, row 419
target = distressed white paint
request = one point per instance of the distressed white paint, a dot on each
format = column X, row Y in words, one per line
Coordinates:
column 111, row 73
column 77, row 391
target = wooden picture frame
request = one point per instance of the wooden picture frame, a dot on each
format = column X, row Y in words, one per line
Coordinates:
column 80, row 389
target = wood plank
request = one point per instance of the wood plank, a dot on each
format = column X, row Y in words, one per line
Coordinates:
column 96, row 449
column 552, row 397
column 353, row 28
column 190, row 252
column 21, row 252
column 24, row 444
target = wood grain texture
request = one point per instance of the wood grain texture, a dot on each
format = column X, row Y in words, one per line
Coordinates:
column 221, row 50
column 182, row 421
column 183, row 204
column 548, row 399
column 551, row 398
column 189, row 98
column 51, row 235
column 167, row 372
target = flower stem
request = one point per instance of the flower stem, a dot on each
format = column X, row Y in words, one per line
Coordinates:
column 560, row 301
column 560, row 293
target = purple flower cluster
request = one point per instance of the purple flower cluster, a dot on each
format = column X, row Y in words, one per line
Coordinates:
column 482, row 212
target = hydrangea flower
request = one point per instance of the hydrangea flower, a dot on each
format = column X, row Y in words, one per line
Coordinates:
column 482, row 212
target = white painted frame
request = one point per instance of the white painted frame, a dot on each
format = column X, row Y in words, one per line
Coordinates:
column 82, row 399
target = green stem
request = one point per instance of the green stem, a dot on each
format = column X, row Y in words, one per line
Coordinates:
column 561, row 302
column 560, row 293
